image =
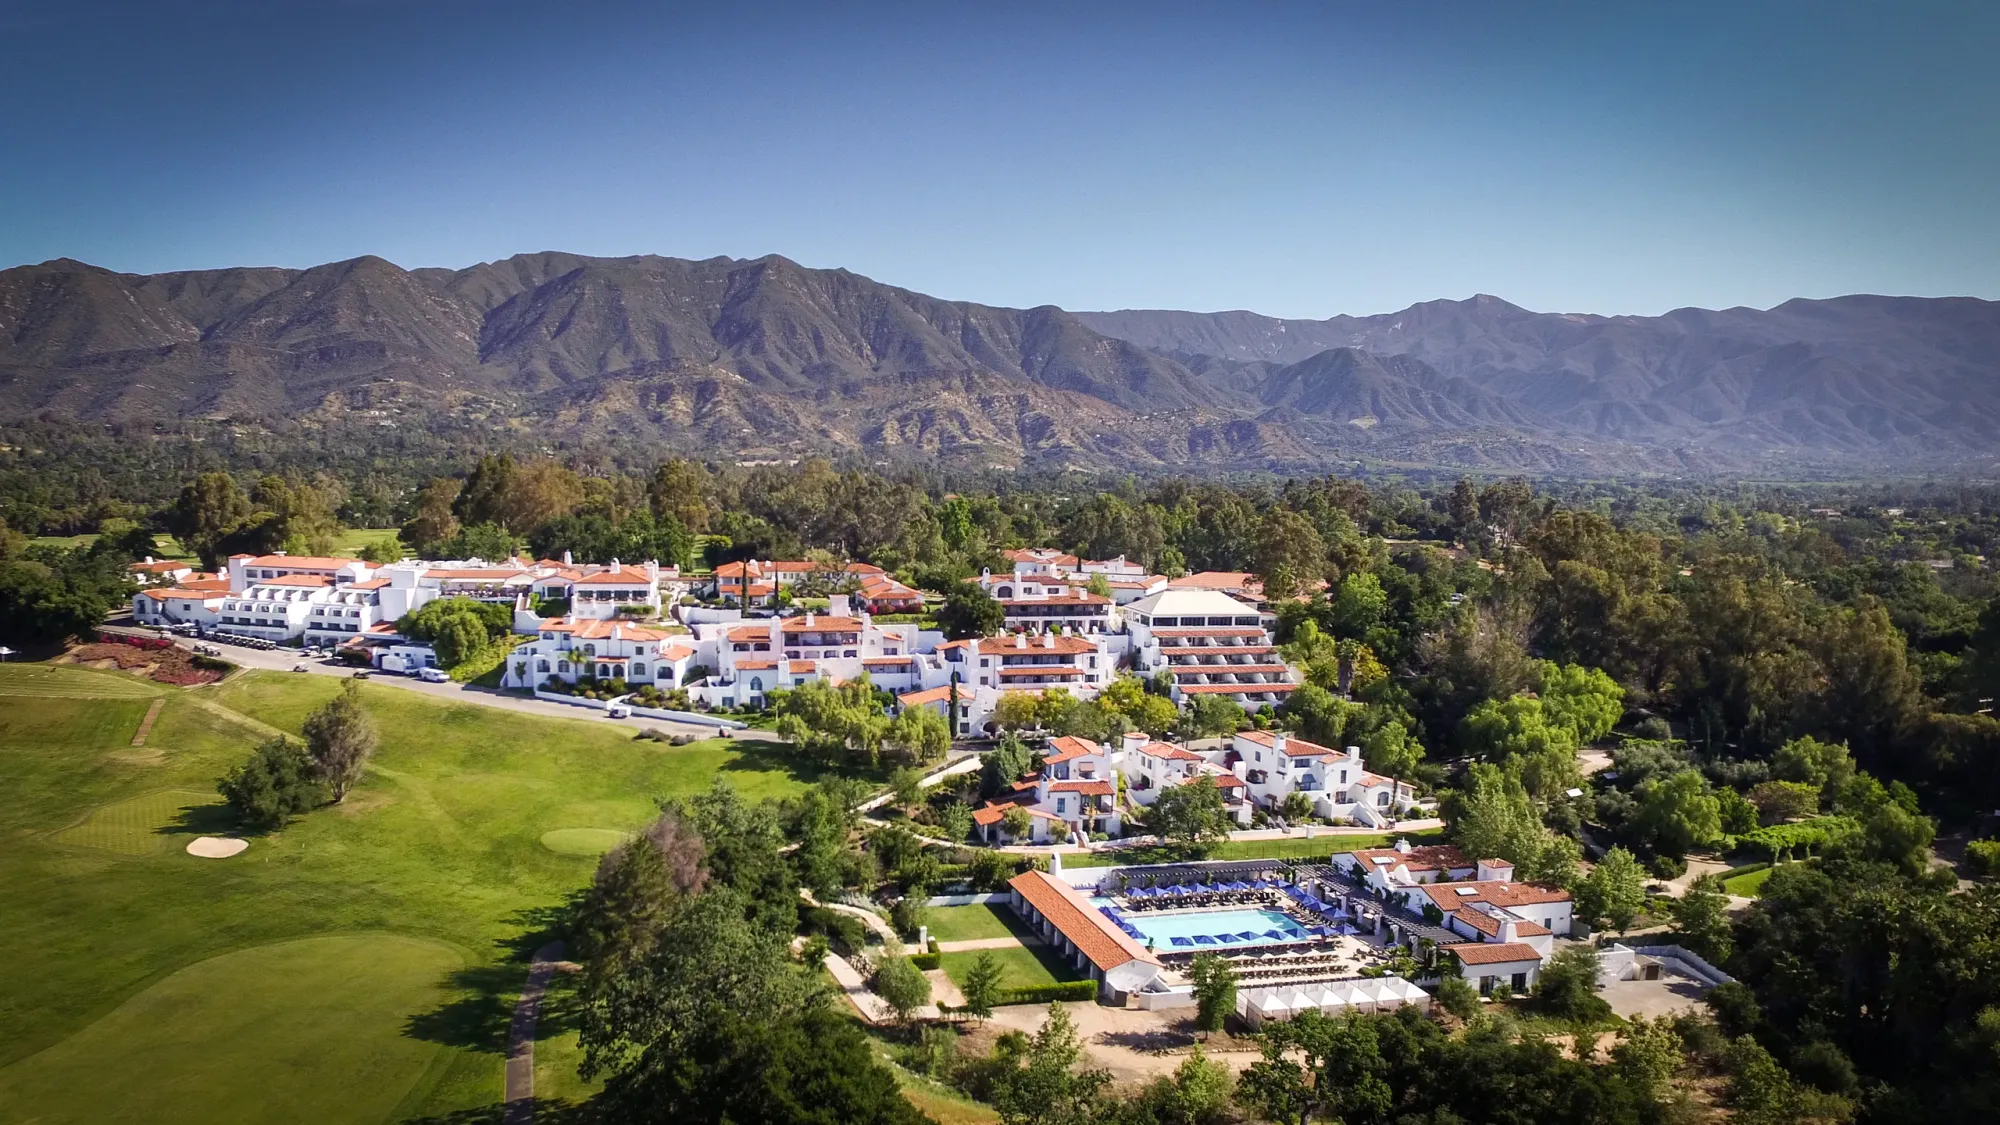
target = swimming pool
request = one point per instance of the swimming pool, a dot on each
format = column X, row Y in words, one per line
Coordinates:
column 1162, row 927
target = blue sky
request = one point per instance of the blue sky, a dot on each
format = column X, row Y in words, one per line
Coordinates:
column 1299, row 160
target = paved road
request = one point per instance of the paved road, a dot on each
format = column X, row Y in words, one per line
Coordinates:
column 519, row 1089
column 285, row 660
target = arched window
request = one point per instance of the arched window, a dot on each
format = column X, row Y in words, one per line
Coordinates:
column 757, row 684
column 1004, row 592
column 638, row 669
column 562, row 666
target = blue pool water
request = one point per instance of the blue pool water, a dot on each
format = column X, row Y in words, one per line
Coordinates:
column 1165, row 925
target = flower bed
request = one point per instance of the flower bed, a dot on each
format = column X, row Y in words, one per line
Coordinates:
column 166, row 665
column 585, row 688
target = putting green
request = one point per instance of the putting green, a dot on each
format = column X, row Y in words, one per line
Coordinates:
column 306, row 1030
column 142, row 825
column 583, row 841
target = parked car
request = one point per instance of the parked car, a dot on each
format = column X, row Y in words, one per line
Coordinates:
column 362, row 674
column 299, row 668
column 618, row 711
column 435, row 676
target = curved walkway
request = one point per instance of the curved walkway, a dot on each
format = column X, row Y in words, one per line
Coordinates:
column 519, row 1089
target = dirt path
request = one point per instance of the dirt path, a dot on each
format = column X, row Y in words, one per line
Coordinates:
column 519, row 1089
column 146, row 724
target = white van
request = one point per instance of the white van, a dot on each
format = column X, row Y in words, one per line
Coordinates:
column 618, row 711
column 435, row 676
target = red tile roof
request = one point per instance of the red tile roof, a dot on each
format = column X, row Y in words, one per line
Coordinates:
column 799, row 667
column 1219, row 669
column 1493, row 953
column 928, row 695
column 624, row 576
column 756, row 665
column 296, row 580
column 1184, row 634
column 1218, row 650
column 1063, row 599
column 1063, row 645
column 823, row 624
column 1070, row 746
column 1426, row 857
column 1098, row 788
column 1236, row 689
column 1217, row 580
column 301, row 562
column 1447, row 895
column 1170, row 752
column 1084, row 925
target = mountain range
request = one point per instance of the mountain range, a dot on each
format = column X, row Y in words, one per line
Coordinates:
column 765, row 358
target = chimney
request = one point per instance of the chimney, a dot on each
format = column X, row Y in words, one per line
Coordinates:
column 277, row 552
column 1508, row 930
column 1495, row 871
column 1048, row 640
column 614, row 566
column 1278, row 741
column 566, row 559
column 149, row 558
column 1020, row 640
column 837, row 605
column 1403, row 845
column 809, row 619
column 1133, row 740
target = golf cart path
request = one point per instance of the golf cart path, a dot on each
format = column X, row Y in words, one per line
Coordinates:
column 519, row 1088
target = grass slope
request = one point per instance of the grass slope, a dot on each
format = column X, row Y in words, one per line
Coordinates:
column 441, row 843
column 970, row 923
column 1021, row 966
column 1291, row 847
column 228, row 1039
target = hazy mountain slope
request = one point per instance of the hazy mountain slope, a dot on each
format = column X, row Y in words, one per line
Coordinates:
column 770, row 358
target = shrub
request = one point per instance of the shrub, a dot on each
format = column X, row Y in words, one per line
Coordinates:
column 927, row 961
column 1667, row 866
column 1050, row 993
column 1983, row 857
column 277, row 783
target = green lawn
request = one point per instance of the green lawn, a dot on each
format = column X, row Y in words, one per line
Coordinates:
column 968, row 923
column 345, row 545
column 1747, row 886
column 1320, row 848
column 350, row 542
column 154, row 971
column 1022, row 966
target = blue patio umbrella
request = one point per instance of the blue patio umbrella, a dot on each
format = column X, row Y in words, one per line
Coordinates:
column 1346, row 929
column 1203, row 939
column 1246, row 935
column 1179, row 941
column 1295, row 935
column 1239, row 886
column 1274, row 935
column 1226, row 939
column 1320, row 931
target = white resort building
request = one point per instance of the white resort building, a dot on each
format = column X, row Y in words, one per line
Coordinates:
column 1211, row 644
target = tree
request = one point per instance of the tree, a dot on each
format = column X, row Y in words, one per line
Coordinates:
column 982, row 985
column 1780, row 801
column 434, row 524
column 1391, row 751
column 902, row 986
column 1492, row 816
column 1005, row 764
column 1702, row 917
column 680, row 490
column 1614, row 891
column 1019, row 824
column 1826, row 766
column 209, row 508
column 906, row 786
column 970, row 612
column 1214, row 990
column 341, row 737
column 1191, row 814
column 1586, row 700
column 1315, row 1065
column 1567, row 986
column 276, row 783
column 955, row 822
column 1456, row 995
column 636, row 887
column 1358, row 606
column 1678, row 814
column 1045, row 1088
column 833, row 722
column 1211, row 716
column 921, row 734
column 1290, row 556
column 1517, row 732
column 1198, row 1092
column 1647, row 1055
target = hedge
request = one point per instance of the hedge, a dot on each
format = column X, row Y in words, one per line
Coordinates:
column 1046, row 993
column 927, row 961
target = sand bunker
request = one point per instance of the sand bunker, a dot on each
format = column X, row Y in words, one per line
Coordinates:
column 216, row 847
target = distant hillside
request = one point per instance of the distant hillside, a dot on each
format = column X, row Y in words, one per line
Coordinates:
column 767, row 358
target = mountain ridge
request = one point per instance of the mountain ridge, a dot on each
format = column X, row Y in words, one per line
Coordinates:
column 766, row 357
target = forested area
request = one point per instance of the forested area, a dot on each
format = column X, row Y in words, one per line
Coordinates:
column 1805, row 673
